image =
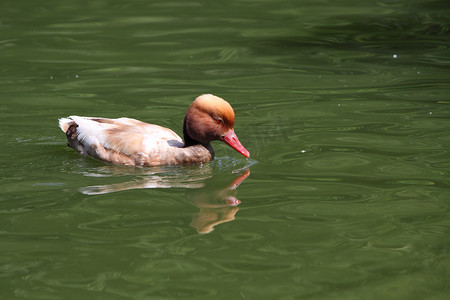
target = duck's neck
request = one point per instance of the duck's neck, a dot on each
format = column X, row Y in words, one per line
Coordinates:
column 189, row 141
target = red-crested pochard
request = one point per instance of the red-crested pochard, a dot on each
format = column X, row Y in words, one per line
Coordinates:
column 127, row 141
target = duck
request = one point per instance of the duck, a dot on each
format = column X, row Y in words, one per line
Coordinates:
column 126, row 141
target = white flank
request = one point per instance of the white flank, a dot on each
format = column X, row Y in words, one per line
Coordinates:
column 90, row 132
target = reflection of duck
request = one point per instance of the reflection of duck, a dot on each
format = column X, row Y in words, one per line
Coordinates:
column 192, row 177
column 216, row 206
column 131, row 142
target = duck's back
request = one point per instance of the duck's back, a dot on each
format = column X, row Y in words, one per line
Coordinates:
column 126, row 141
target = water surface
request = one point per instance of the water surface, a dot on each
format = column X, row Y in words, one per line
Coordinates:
column 344, row 108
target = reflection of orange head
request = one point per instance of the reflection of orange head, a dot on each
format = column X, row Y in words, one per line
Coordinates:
column 217, row 207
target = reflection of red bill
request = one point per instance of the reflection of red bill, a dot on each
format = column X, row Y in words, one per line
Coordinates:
column 239, row 180
column 232, row 140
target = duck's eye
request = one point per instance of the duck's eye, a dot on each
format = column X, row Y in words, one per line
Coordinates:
column 219, row 121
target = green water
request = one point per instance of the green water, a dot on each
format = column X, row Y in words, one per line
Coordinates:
column 344, row 106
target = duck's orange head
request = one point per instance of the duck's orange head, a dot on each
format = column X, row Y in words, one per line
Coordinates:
column 211, row 118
